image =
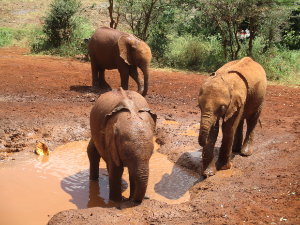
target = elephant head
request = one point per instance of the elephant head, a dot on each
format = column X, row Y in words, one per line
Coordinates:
column 136, row 52
column 218, row 98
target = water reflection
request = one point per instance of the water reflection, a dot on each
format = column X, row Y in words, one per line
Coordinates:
column 86, row 193
column 42, row 158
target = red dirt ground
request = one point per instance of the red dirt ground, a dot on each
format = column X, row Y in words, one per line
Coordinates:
column 49, row 99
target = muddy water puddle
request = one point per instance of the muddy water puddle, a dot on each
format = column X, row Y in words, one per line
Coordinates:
column 33, row 188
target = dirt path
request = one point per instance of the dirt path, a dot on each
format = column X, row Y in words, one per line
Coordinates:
column 49, row 99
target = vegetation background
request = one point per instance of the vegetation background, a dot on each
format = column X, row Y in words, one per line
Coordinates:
column 192, row 35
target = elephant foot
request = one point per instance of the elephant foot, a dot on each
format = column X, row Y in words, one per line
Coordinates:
column 94, row 176
column 223, row 165
column 236, row 149
column 116, row 198
column 246, row 151
column 209, row 171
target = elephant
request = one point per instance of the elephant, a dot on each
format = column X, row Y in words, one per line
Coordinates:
column 112, row 49
column 122, row 128
column 235, row 92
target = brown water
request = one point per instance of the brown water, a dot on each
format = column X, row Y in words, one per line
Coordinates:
column 33, row 188
column 170, row 122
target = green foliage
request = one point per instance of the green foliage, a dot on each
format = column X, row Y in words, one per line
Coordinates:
column 291, row 40
column 11, row 36
column 63, row 32
column 6, row 36
column 141, row 14
column 281, row 64
column 291, row 36
column 74, row 46
column 194, row 53
column 60, row 22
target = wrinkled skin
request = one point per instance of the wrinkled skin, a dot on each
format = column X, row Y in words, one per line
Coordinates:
column 112, row 49
column 122, row 129
column 236, row 92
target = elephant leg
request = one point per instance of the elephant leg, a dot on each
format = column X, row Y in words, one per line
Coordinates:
column 132, row 187
column 115, row 182
column 94, row 158
column 228, row 128
column 133, row 71
column 247, row 146
column 95, row 77
column 208, row 161
column 102, row 81
column 238, row 138
column 124, row 78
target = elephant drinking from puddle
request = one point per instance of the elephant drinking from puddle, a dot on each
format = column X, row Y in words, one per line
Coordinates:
column 235, row 92
column 112, row 49
column 122, row 127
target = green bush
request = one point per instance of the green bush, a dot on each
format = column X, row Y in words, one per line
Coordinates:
column 194, row 53
column 67, row 38
column 6, row 36
column 60, row 22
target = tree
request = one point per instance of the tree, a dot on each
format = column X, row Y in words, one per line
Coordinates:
column 113, row 23
column 140, row 14
column 230, row 14
column 291, row 36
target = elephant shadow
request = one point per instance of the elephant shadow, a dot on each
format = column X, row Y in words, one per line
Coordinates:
column 175, row 185
column 184, row 175
column 89, row 89
column 86, row 193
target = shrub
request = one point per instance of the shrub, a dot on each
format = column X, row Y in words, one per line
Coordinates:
column 70, row 42
column 60, row 22
column 6, row 36
column 195, row 53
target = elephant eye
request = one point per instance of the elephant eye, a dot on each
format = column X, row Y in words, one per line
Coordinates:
column 222, row 108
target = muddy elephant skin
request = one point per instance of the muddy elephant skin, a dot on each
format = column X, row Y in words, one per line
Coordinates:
column 112, row 49
column 122, row 127
column 235, row 92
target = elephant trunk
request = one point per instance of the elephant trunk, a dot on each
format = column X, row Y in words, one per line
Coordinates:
column 139, row 182
column 205, row 128
column 146, row 72
column 203, row 136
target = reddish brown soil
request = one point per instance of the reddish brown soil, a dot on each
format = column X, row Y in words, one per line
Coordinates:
column 49, row 99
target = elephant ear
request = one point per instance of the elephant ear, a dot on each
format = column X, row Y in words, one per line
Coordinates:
column 237, row 101
column 126, row 44
column 110, row 143
column 235, row 105
column 124, row 105
column 152, row 114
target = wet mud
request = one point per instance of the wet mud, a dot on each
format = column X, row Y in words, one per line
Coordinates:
column 47, row 99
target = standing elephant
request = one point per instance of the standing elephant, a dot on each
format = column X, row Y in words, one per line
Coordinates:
column 112, row 49
column 235, row 92
column 122, row 127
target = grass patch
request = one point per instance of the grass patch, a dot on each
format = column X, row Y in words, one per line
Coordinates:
column 15, row 36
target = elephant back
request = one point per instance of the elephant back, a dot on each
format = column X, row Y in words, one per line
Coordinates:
column 249, row 70
column 104, row 105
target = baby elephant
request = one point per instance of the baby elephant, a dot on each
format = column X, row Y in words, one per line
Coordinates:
column 236, row 92
column 122, row 127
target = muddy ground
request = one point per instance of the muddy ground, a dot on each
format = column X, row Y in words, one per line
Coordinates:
column 47, row 99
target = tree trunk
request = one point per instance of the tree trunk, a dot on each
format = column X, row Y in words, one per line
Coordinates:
column 253, row 27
